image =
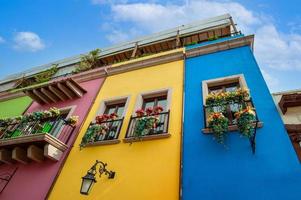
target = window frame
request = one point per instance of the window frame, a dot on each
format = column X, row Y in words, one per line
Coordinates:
column 222, row 81
column 111, row 101
column 152, row 94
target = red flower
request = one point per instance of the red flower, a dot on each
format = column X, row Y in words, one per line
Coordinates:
column 149, row 111
column 140, row 112
column 113, row 116
column 158, row 109
column 101, row 118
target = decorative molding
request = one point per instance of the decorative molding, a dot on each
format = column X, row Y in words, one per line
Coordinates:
column 221, row 46
column 42, row 137
column 104, row 142
column 146, row 137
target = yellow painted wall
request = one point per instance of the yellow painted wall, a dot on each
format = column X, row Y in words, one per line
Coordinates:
column 146, row 170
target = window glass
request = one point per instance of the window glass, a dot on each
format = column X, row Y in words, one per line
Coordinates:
column 155, row 101
column 115, row 108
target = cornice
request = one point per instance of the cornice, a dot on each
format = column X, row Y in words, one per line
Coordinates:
column 111, row 70
column 221, row 46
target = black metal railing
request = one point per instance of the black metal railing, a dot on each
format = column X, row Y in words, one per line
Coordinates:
column 51, row 126
column 107, row 130
column 229, row 109
column 140, row 126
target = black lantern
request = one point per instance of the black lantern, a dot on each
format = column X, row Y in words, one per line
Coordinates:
column 89, row 179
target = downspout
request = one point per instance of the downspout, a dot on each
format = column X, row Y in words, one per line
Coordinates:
column 182, row 131
column 72, row 143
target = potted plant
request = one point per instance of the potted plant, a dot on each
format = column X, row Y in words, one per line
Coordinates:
column 54, row 112
column 100, row 127
column 72, row 121
column 218, row 123
column 147, row 121
column 245, row 119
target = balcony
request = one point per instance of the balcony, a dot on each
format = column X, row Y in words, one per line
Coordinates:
column 106, row 132
column 150, row 127
column 34, row 140
column 289, row 100
column 229, row 110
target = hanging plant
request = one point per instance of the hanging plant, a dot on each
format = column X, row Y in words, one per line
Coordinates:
column 99, row 128
column 221, row 98
column 54, row 112
column 147, row 121
column 72, row 121
column 218, row 123
column 245, row 119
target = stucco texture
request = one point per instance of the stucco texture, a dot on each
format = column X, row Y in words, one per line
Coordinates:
column 212, row 171
column 145, row 170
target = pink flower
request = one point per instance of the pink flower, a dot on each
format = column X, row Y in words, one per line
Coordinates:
column 113, row 116
column 140, row 112
column 149, row 111
column 158, row 109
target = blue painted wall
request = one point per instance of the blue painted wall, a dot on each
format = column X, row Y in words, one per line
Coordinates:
column 211, row 171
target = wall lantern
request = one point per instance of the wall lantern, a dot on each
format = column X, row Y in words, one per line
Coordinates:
column 89, row 179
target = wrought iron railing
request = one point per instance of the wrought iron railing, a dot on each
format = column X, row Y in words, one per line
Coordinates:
column 157, row 125
column 229, row 109
column 106, row 130
column 55, row 127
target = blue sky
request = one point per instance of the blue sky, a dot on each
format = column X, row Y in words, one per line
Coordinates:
column 36, row 32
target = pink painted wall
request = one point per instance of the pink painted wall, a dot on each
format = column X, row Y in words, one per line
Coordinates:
column 33, row 181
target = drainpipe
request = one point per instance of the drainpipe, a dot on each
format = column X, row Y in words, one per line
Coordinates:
column 182, row 131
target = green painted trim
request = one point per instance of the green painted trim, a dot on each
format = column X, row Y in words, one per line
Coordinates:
column 14, row 107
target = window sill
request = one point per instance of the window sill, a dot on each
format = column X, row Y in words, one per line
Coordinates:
column 105, row 142
column 145, row 138
column 230, row 128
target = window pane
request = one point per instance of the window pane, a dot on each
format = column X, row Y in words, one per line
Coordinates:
column 148, row 104
column 163, row 103
column 109, row 110
column 120, row 111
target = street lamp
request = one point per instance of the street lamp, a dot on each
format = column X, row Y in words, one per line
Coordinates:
column 89, row 179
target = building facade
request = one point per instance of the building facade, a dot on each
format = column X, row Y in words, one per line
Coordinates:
column 181, row 114
column 32, row 159
column 141, row 164
column 289, row 107
column 233, row 169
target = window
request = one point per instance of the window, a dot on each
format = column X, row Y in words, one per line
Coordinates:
column 230, row 87
column 225, row 84
column 148, row 126
column 117, row 108
column 155, row 101
column 231, row 109
column 104, row 130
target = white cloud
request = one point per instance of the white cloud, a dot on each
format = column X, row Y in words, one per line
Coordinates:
column 272, row 81
column 28, row 41
column 1, row 40
column 155, row 16
column 117, row 36
column 275, row 50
